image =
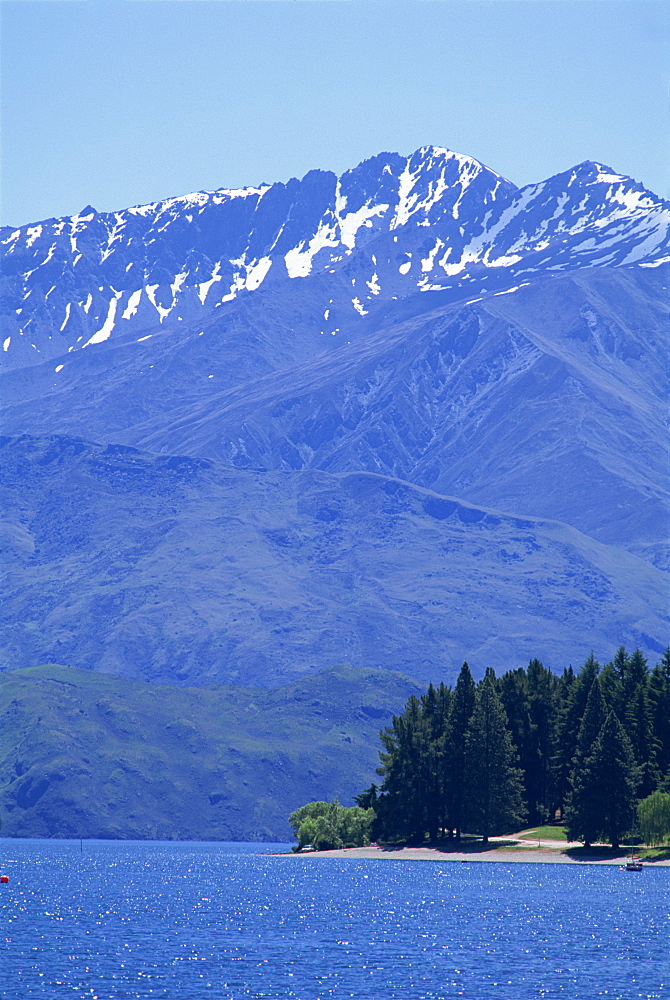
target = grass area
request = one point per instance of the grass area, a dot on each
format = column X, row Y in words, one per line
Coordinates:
column 544, row 832
column 655, row 853
column 507, row 846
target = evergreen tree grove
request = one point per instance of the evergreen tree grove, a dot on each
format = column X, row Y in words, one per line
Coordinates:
column 585, row 746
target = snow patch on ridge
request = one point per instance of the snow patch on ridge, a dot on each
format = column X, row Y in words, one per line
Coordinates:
column 204, row 286
column 197, row 199
column 106, row 329
column 161, row 310
column 257, row 272
column 352, row 222
column 299, row 260
column 33, row 233
column 132, row 304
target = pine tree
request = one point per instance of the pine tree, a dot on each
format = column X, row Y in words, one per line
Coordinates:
column 568, row 725
column 559, row 768
column 529, row 699
column 610, row 685
column 581, row 812
column 595, row 713
column 614, row 764
column 494, row 784
column 616, row 681
column 634, row 676
column 639, row 729
column 635, row 714
column 542, row 696
column 435, row 709
column 460, row 713
column 513, row 691
column 659, row 711
column 402, row 806
column 603, row 800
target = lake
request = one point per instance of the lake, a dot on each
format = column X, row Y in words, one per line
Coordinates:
column 192, row 921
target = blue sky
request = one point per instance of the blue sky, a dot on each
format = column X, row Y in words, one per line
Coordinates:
column 127, row 101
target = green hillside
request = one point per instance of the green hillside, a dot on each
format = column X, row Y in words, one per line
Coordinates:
column 94, row 755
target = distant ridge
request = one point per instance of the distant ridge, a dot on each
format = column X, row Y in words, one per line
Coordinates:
column 178, row 571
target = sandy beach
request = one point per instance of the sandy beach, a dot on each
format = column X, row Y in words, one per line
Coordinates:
column 506, row 850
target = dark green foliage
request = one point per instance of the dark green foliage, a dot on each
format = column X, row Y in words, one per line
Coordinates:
column 460, row 713
column 368, row 798
column 659, row 712
column 567, row 726
column 582, row 809
column 640, row 702
column 435, row 705
column 543, row 696
column 593, row 719
column 602, row 800
column 609, row 778
column 406, row 769
column 494, row 784
column 529, row 699
column 529, row 743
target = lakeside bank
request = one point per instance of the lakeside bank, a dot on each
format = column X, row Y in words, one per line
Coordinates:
column 506, row 851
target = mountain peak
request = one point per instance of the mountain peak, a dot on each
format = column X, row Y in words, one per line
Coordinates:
column 389, row 227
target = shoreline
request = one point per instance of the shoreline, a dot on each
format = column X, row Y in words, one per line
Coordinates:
column 509, row 851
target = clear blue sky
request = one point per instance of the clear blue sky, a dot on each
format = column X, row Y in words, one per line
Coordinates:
column 127, row 101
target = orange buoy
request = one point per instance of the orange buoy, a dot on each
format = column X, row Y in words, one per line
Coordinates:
column 4, row 878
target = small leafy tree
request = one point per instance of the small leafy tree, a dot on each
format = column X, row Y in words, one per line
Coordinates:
column 310, row 811
column 326, row 835
column 328, row 825
column 653, row 815
column 307, row 831
column 355, row 825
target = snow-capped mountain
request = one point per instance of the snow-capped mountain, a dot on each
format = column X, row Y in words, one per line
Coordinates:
column 391, row 227
column 417, row 324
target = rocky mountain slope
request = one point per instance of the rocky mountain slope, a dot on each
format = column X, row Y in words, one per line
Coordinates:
column 385, row 229
column 328, row 358
column 181, row 571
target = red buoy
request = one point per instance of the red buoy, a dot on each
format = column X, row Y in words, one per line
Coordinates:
column 4, row 878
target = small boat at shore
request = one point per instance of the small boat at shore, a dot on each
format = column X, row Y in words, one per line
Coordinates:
column 633, row 865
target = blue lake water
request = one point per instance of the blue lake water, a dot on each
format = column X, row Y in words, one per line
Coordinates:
column 192, row 921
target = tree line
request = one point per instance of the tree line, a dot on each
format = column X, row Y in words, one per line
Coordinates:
column 583, row 748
